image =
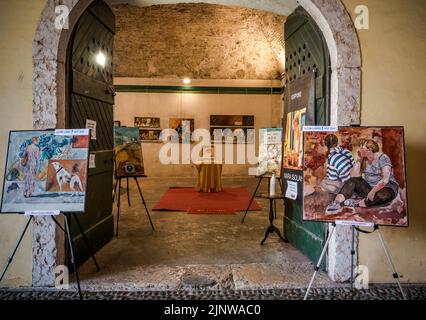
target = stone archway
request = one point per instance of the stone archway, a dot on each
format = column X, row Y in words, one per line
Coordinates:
column 49, row 89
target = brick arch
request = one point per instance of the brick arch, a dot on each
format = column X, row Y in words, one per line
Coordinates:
column 49, row 88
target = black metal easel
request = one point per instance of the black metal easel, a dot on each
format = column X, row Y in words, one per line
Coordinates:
column 255, row 192
column 118, row 182
column 68, row 238
column 395, row 274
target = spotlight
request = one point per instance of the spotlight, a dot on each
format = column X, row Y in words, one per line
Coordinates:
column 186, row 81
column 101, row 59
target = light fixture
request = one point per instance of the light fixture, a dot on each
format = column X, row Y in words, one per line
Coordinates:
column 186, row 80
column 101, row 59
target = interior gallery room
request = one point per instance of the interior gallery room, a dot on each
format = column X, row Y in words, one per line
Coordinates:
column 212, row 149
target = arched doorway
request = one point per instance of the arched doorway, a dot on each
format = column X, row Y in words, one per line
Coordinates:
column 49, row 103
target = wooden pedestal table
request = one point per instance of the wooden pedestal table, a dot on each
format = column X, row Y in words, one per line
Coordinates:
column 209, row 178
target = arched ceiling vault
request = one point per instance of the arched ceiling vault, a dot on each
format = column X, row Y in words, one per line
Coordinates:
column 283, row 7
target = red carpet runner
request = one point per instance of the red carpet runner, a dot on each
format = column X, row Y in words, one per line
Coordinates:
column 187, row 199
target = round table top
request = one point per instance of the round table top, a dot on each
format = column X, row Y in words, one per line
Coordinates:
column 268, row 196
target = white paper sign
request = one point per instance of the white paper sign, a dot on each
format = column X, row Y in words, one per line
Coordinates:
column 71, row 132
column 43, row 213
column 92, row 161
column 354, row 223
column 291, row 192
column 273, row 137
column 91, row 124
column 320, row 128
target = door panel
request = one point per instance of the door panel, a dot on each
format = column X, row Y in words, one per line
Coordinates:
column 305, row 50
column 89, row 97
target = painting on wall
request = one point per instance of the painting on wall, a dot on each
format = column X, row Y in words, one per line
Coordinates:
column 128, row 152
column 356, row 174
column 147, row 122
column 117, row 123
column 46, row 170
column 150, row 135
column 293, row 142
column 184, row 127
column 270, row 151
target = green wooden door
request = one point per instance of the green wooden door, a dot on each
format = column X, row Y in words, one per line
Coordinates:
column 305, row 50
column 90, row 98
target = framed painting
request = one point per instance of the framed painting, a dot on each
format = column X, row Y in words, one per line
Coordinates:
column 356, row 174
column 150, row 135
column 46, row 170
column 147, row 122
column 128, row 152
column 183, row 126
column 117, row 123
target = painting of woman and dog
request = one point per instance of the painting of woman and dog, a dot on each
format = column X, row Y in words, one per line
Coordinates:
column 46, row 171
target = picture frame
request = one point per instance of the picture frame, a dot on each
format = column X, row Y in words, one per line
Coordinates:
column 46, row 170
column 342, row 168
column 150, row 135
column 184, row 127
column 147, row 122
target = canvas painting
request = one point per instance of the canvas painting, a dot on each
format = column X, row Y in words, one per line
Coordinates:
column 150, row 135
column 128, row 152
column 46, row 171
column 293, row 143
column 356, row 175
column 184, row 128
column 147, row 122
column 270, row 151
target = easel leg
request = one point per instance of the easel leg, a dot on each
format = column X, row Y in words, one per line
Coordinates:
column 9, row 261
column 317, row 267
column 391, row 264
column 127, row 191
column 115, row 190
column 118, row 206
column 251, row 200
column 352, row 257
column 87, row 242
column 71, row 248
column 144, row 203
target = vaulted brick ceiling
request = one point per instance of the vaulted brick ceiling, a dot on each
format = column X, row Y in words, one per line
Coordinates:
column 283, row 7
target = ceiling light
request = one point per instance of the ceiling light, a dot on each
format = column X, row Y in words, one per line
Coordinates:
column 186, row 81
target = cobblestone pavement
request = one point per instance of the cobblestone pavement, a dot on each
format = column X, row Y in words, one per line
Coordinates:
column 374, row 293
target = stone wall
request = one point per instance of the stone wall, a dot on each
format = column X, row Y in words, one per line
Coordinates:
column 200, row 41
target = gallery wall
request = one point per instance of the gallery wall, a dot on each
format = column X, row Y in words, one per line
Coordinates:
column 266, row 109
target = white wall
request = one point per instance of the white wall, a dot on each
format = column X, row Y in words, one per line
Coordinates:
column 267, row 110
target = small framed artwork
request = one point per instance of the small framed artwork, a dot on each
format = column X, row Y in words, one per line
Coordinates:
column 147, row 122
column 184, row 127
column 150, row 135
column 117, row 123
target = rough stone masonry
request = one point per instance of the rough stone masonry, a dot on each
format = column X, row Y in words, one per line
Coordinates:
column 201, row 41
